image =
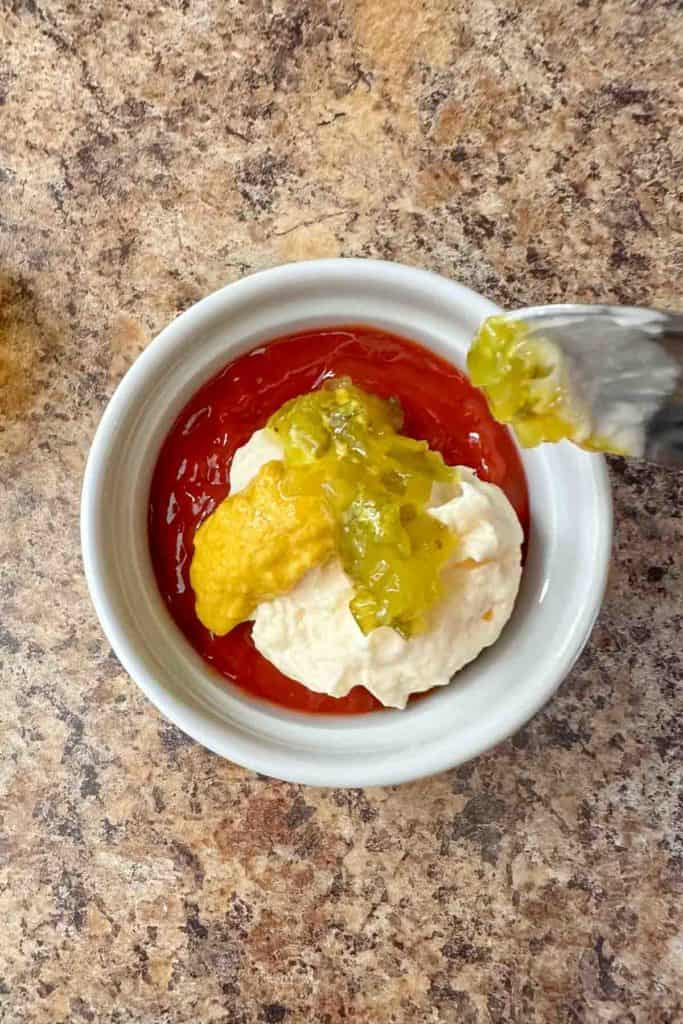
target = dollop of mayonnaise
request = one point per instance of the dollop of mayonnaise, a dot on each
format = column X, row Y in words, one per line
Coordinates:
column 311, row 636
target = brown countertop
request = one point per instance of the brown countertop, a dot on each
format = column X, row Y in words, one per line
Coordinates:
column 150, row 152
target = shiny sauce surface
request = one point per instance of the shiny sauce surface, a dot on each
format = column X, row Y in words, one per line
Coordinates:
column 193, row 468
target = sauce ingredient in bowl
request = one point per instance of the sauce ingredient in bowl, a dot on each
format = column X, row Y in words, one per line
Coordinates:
column 349, row 481
column 192, row 474
column 311, row 635
column 256, row 545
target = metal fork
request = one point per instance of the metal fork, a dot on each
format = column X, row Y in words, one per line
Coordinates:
column 628, row 362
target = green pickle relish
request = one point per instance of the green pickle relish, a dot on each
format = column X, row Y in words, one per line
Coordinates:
column 345, row 445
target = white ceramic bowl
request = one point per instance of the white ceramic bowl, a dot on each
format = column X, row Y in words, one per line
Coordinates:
column 562, row 585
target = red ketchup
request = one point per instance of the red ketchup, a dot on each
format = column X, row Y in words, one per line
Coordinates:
column 193, row 469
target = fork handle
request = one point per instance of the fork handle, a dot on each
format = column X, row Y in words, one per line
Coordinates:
column 673, row 325
column 664, row 431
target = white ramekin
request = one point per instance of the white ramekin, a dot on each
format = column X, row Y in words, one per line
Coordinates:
column 563, row 580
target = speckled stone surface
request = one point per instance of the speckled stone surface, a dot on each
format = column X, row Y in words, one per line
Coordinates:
column 150, row 152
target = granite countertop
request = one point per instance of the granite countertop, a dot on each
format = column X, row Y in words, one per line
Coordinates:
column 150, row 152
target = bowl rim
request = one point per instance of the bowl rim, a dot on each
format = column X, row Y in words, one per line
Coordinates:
column 195, row 720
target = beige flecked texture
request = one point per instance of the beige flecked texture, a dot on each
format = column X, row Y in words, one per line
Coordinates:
column 150, row 152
